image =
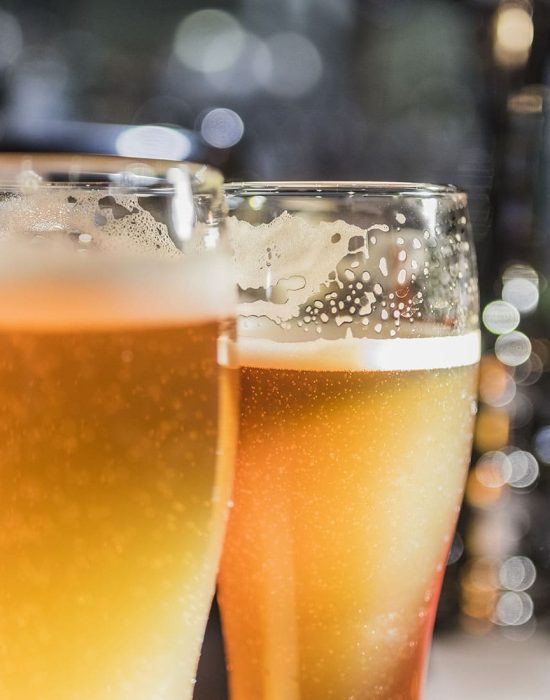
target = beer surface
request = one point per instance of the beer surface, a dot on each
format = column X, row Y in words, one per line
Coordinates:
column 347, row 490
column 113, row 499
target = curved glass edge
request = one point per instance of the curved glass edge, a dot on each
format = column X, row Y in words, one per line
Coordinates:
column 133, row 172
column 342, row 188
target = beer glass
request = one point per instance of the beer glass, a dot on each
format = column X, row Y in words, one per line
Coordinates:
column 117, row 424
column 358, row 339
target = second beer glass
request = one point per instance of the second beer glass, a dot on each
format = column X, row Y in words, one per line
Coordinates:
column 358, row 340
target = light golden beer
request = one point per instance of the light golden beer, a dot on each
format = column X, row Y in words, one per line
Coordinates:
column 351, row 462
column 116, row 430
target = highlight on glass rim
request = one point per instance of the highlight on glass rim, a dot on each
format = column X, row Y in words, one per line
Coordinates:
column 274, row 350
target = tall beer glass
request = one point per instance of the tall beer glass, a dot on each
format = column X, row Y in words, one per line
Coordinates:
column 117, row 418
column 358, row 340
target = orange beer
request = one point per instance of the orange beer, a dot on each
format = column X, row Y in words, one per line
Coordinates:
column 349, row 481
column 359, row 342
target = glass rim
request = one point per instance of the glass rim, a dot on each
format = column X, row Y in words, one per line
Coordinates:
column 365, row 188
column 91, row 171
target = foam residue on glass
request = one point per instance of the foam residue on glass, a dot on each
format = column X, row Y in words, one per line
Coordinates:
column 400, row 274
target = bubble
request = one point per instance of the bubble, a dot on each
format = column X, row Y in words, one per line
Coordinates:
column 400, row 218
column 513, row 349
column 500, row 317
column 383, row 265
column 517, row 574
column 402, row 276
column 402, row 256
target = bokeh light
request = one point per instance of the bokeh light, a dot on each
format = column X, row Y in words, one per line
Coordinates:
column 247, row 73
column 221, row 127
column 296, row 65
column 514, row 608
column 500, row 317
column 492, row 429
column 542, row 444
column 520, row 288
column 524, row 469
column 517, row 574
column 513, row 34
column 151, row 141
column 209, row 40
column 513, row 348
column 496, row 386
column 493, row 469
column 529, row 372
column 11, row 39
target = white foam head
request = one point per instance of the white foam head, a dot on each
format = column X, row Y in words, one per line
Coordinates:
column 362, row 354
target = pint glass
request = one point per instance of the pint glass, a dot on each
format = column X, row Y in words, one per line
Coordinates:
column 359, row 342
column 117, row 424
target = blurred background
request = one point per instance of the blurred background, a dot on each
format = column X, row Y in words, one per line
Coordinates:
column 422, row 90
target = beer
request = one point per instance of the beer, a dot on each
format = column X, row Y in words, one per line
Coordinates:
column 117, row 426
column 351, row 463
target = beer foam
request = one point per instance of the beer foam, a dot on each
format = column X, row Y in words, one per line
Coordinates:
column 360, row 354
column 117, row 295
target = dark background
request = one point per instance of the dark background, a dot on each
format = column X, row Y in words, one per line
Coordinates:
column 421, row 90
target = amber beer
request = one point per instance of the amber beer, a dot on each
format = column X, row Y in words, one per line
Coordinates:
column 351, row 463
column 116, row 426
